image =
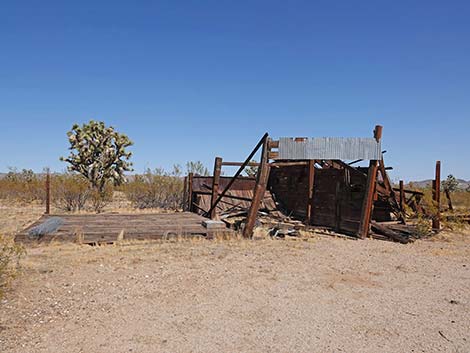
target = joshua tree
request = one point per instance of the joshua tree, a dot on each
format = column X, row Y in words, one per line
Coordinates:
column 450, row 185
column 251, row 171
column 99, row 154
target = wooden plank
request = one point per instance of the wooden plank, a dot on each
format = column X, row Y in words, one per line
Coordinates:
column 368, row 202
column 311, row 180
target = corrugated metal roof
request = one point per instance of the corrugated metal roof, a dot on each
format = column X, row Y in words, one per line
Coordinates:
column 346, row 148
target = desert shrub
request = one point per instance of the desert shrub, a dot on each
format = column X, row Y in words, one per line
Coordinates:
column 70, row 192
column 99, row 199
column 423, row 227
column 156, row 189
column 22, row 186
column 10, row 254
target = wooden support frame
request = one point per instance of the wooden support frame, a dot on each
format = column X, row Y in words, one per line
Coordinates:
column 259, row 190
column 368, row 203
column 436, row 221
column 261, row 142
column 311, row 181
column 215, row 185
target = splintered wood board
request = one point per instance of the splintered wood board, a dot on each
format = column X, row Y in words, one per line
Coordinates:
column 105, row 228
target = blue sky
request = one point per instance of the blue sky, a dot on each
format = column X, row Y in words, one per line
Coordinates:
column 189, row 80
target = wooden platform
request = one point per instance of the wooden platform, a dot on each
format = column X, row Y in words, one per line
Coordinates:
column 105, row 228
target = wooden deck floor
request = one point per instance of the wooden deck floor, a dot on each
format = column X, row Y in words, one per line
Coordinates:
column 105, row 228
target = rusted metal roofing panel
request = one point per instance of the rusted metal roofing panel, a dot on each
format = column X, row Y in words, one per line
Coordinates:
column 347, row 148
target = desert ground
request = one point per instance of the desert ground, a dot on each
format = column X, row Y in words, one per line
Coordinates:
column 308, row 294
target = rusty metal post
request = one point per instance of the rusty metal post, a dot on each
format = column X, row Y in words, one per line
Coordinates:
column 48, row 193
column 215, row 185
column 259, row 190
column 368, row 203
column 402, row 197
column 311, row 180
column 190, row 192
column 436, row 221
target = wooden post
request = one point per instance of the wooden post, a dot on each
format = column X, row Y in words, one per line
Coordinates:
column 368, row 203
column 436, row 221
column 48, row 193
column 190, row 192
column 215, row 185
column 402, row 197
column 311, row 180
column 185, row 194
column 259, row 190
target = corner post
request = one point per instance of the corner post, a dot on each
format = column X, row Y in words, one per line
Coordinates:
column 368, row 203
column 215, row 185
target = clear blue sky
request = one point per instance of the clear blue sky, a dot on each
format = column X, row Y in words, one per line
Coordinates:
column 189, row 80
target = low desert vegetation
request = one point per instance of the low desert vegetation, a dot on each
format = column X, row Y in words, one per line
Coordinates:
column 156, row 189
column 10, row 254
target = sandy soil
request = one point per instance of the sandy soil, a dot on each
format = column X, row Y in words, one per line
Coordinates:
column 320, row 294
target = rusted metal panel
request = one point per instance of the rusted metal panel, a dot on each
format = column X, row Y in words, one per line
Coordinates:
column 349, row 148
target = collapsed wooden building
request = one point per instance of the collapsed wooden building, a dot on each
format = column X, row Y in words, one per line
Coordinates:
column 308, row 180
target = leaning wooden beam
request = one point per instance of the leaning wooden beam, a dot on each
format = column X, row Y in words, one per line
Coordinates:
column 436, row 221
column 260, row 188
column 215, row 185
column 368, row 202
column 239, row 171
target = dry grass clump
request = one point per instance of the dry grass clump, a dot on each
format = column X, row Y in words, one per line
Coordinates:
column 155, row 189
column 10, row 254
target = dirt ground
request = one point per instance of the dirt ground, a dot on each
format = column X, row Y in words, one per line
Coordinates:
column 319, row 294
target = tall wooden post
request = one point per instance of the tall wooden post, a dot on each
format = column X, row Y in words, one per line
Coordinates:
column 259, row 190
column 402, row 197
column 190, row 192
column 185, row 194
column 311, row 180
column 368, row 203
column 215, row 185
column 436, row 221
column 48, row 193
